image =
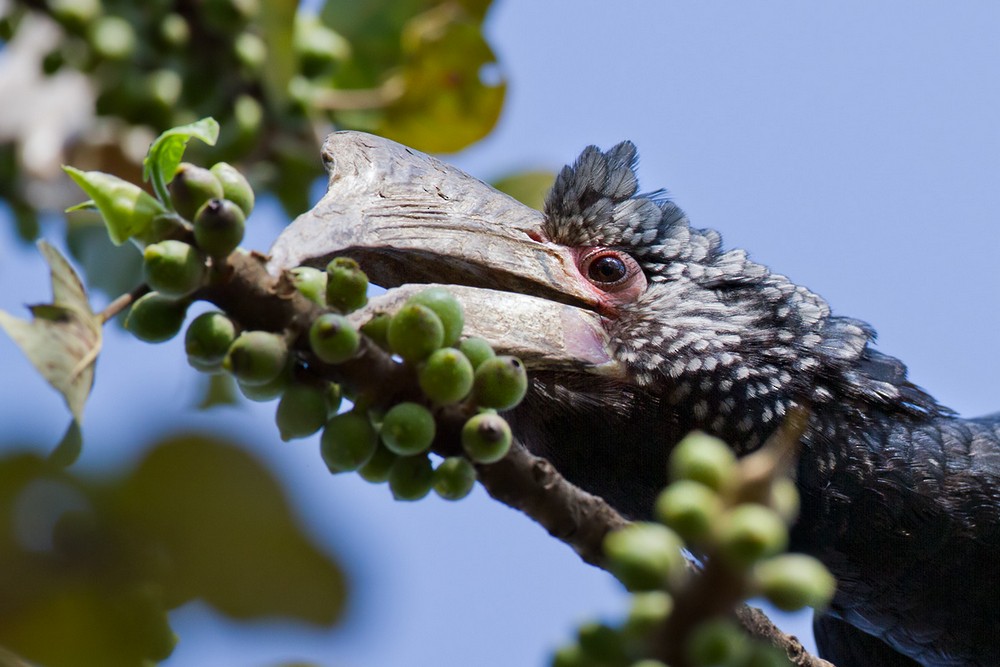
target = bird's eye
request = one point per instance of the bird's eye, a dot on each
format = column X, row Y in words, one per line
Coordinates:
column 613, row 272
column 606, row 269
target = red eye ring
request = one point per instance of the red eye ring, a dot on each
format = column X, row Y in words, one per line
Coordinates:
column 608, row 269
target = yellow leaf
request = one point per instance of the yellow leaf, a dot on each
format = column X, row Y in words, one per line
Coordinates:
column 63, row 339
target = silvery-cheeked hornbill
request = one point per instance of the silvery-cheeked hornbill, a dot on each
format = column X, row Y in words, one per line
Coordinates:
column 638, row 328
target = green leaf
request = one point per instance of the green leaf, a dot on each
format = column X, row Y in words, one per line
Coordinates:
column 452, row 86
column 68, row 450
column 373, row 28
column 106, row 267
column 218, row 389
column 528, row 187
column 277, row 26
column 127, row 209
column 64, row 338
column 166, row 152
column 88, row 205
column 70, row 574
column 229, row 533
column 98, row 563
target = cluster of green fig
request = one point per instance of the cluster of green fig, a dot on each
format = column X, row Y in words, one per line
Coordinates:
column 382, row 446
column 197, row 221
column 213, row 205
column 425, row 333
column 706, row 510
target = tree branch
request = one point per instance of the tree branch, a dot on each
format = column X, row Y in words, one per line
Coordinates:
column 523, row 481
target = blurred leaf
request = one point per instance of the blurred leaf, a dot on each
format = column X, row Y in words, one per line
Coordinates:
column 373, row 28
column 127, row 209
column 68, row 450
column 109, row 268
column 25, row 220
column 528, row 187
column 277, row 26
column 89, row 569
column 220, row 389
column 8, row 659
column 229, row 533
column 93, row 629
column 64, row 338
column 65, row 576
column 452, row 87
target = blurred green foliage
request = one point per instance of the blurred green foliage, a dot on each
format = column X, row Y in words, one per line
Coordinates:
column 90, row 567
column 528, row 187
column 276, row 77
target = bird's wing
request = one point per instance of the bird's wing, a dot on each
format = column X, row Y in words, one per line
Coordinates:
column 843, row 644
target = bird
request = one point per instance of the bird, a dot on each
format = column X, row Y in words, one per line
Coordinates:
column 638, row 328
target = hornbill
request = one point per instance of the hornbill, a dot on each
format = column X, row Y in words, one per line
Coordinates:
column 638, row 328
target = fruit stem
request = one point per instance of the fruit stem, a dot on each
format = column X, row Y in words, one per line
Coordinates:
column 122, row 302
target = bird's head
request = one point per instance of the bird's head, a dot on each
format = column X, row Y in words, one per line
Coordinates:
column 634, row 326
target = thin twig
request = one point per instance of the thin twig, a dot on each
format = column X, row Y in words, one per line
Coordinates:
column 122, row 302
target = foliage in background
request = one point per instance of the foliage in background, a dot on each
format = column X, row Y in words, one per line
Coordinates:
column 92, row 566
column 97, row 81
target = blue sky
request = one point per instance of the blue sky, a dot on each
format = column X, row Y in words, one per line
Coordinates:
column 853, row 146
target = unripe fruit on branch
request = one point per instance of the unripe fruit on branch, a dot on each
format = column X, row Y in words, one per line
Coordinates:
column 256, row 357
column 311, row 283
column 477, row 350
column 750, row 532
column 716, row 642
column 208, row 338
column 414, row 332
column 649, row 610
column 500, row 382
column 407, row 429
column 486, row 437
column 411, row 477
column 155, row 318
column 219, row 226
column 376, row 470
column 377, row 329
column 793, row 581
column 705, row 459
column 348, row 441
column 644, row 556
column 690, row 508
column 333, row 339
column 191, row 187
column 446, row 376
column 346, row 285
column 235, row 186
column 454, row 478
column 446, row 307
column 269, row 391
column 602, row 644
column 173, row 268
column 301, row 411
